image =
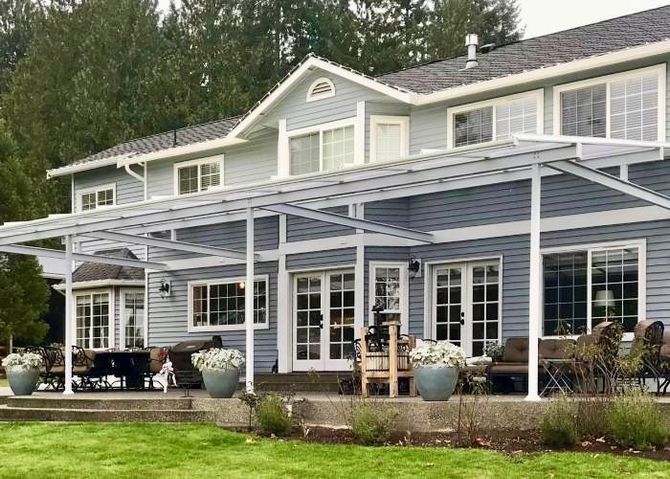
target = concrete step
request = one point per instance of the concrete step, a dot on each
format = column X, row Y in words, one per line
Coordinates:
column 102, row 415
column 101, row 403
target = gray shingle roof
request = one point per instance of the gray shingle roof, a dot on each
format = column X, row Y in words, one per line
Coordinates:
column 98, row 272
column 582, row 42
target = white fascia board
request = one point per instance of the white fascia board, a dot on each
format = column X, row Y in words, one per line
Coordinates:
column 102, row 283
column 540, row 74
column 310, row 64
column 202, row 147
column 85, row 166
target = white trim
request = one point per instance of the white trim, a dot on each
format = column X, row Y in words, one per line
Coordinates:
column 284, row 154
column 218, row 281
column 404, row 290
column 199, row 163
column 122, row 315
column 402, row 121
column 451, row 111
column 641, row 246
column 359, row 134
column 540, row 74
column 102, row 283
column 284, row 350
column 79, row 167
column 112, row 314
column 311, row 96
column 95, row 189
column 660, row 71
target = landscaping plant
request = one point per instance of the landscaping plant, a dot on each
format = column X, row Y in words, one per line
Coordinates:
column 273, row 415
column 636, row 421
column 372, row 423
column 559, row 425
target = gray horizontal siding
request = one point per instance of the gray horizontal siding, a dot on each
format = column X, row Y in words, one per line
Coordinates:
column 168, row 324
column 428, row 128
column 393, row 212
column 301, row 229
column 128, row 189
column 321, row 259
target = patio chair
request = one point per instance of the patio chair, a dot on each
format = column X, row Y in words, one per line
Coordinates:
column 513, row 367
column 596, row 357
column 664, row 363
column 52, row 371
column 157, row 357
column 557, row 359
column 645, row 352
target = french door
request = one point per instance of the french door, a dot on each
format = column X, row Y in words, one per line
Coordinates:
column 323, row 320
column 466, row 304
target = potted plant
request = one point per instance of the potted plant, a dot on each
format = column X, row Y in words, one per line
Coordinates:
column 23, row 371
column 220, row 370
column 494, row 350
column 436, row 367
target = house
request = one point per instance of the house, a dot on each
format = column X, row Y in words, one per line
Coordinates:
column 519, row 191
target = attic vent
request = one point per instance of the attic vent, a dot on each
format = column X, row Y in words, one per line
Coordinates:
column 320, row 89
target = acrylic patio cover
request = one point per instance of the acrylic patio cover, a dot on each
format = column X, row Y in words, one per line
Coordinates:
column 524, row 157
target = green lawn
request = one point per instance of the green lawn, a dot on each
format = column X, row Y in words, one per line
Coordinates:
column 193, row 451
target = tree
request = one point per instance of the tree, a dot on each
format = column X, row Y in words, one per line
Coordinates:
column 494, row 21
column 17, row 22
column 24, row 294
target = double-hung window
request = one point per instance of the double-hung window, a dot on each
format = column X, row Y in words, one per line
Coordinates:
column 627, row 106
column 329, row 148
column 97, row 197
column 495, row 120
column 198, row 175
column 389, row 138
column 220, row 304
column 585, row 286
column 92, row 319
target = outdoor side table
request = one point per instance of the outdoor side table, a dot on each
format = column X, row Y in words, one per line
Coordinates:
column 558, row 376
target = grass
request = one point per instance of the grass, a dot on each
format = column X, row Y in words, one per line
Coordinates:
column 200, row 451
column 4, row 383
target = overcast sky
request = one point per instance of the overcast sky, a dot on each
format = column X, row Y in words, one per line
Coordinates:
column 547, row 16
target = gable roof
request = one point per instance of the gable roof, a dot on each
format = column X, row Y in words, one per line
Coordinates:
column 88, row 272
column 418, row 84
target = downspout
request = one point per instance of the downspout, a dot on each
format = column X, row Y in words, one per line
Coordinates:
column 137, row 176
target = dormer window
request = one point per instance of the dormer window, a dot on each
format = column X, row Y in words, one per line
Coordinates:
column 320, row 89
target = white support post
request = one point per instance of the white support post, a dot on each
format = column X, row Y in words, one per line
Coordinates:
column 249, row 302
column 534, row 287
column 69, row 309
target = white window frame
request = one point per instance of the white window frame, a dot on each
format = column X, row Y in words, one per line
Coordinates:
column 284, row 167
column 640, row 244
column 320, row 96
column 96, row 190
column 402, row 121
column 122, row 315
column 537, row 94
column 404, row 290
column 227, row 327
column 660, row 71
column 198, row 162
column 112, row 314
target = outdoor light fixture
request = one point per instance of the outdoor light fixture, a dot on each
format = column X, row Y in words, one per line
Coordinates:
column 414, row 267
column 241, row 284
column 165, row 288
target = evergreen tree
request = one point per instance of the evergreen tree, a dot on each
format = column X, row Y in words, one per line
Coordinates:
column 17, row 22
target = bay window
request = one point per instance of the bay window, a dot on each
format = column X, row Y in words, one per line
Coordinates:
column 495, row 120
column 627, row 106
column 198, row 175
column 220, row 304
column 586, row 286
column 92, row 320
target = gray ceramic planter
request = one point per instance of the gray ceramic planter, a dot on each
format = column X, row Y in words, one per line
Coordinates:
column 221, row 383
column 23, row 381
column 436, row 382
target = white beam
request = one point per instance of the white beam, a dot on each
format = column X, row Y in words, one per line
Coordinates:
column 534, row 287
column 249, row 302
column 357, row 223
column 69, row 310
column 612, row 182
column 86, row 258
column 168, row 244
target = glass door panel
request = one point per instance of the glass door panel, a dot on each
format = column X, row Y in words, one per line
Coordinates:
column 485, row 305
column 308, row 317
column 448, row 294
column 341, row 316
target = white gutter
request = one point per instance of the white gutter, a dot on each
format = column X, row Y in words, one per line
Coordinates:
column 575, row 66
column 137, row 176
column 200, row 147
column 102, row 283
column 89, row 165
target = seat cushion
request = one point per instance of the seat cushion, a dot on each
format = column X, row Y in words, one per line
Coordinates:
column 509, row 368
column 516, row 350
column 557, row 348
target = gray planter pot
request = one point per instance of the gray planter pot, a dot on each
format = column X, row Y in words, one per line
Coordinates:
column 221, row 383
column 23, row 381
column 437, row 382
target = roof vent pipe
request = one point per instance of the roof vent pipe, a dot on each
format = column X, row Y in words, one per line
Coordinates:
column 471, row 41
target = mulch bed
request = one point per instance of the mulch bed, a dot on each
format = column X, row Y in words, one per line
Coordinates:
column 508, row 442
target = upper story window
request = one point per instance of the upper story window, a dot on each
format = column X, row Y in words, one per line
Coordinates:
column 219, row 304
column 198, row 175
column 99, row 196
column 330, row 147
column 627, row 106
column 320, row 89
column 495, row 120
column 389, row 137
